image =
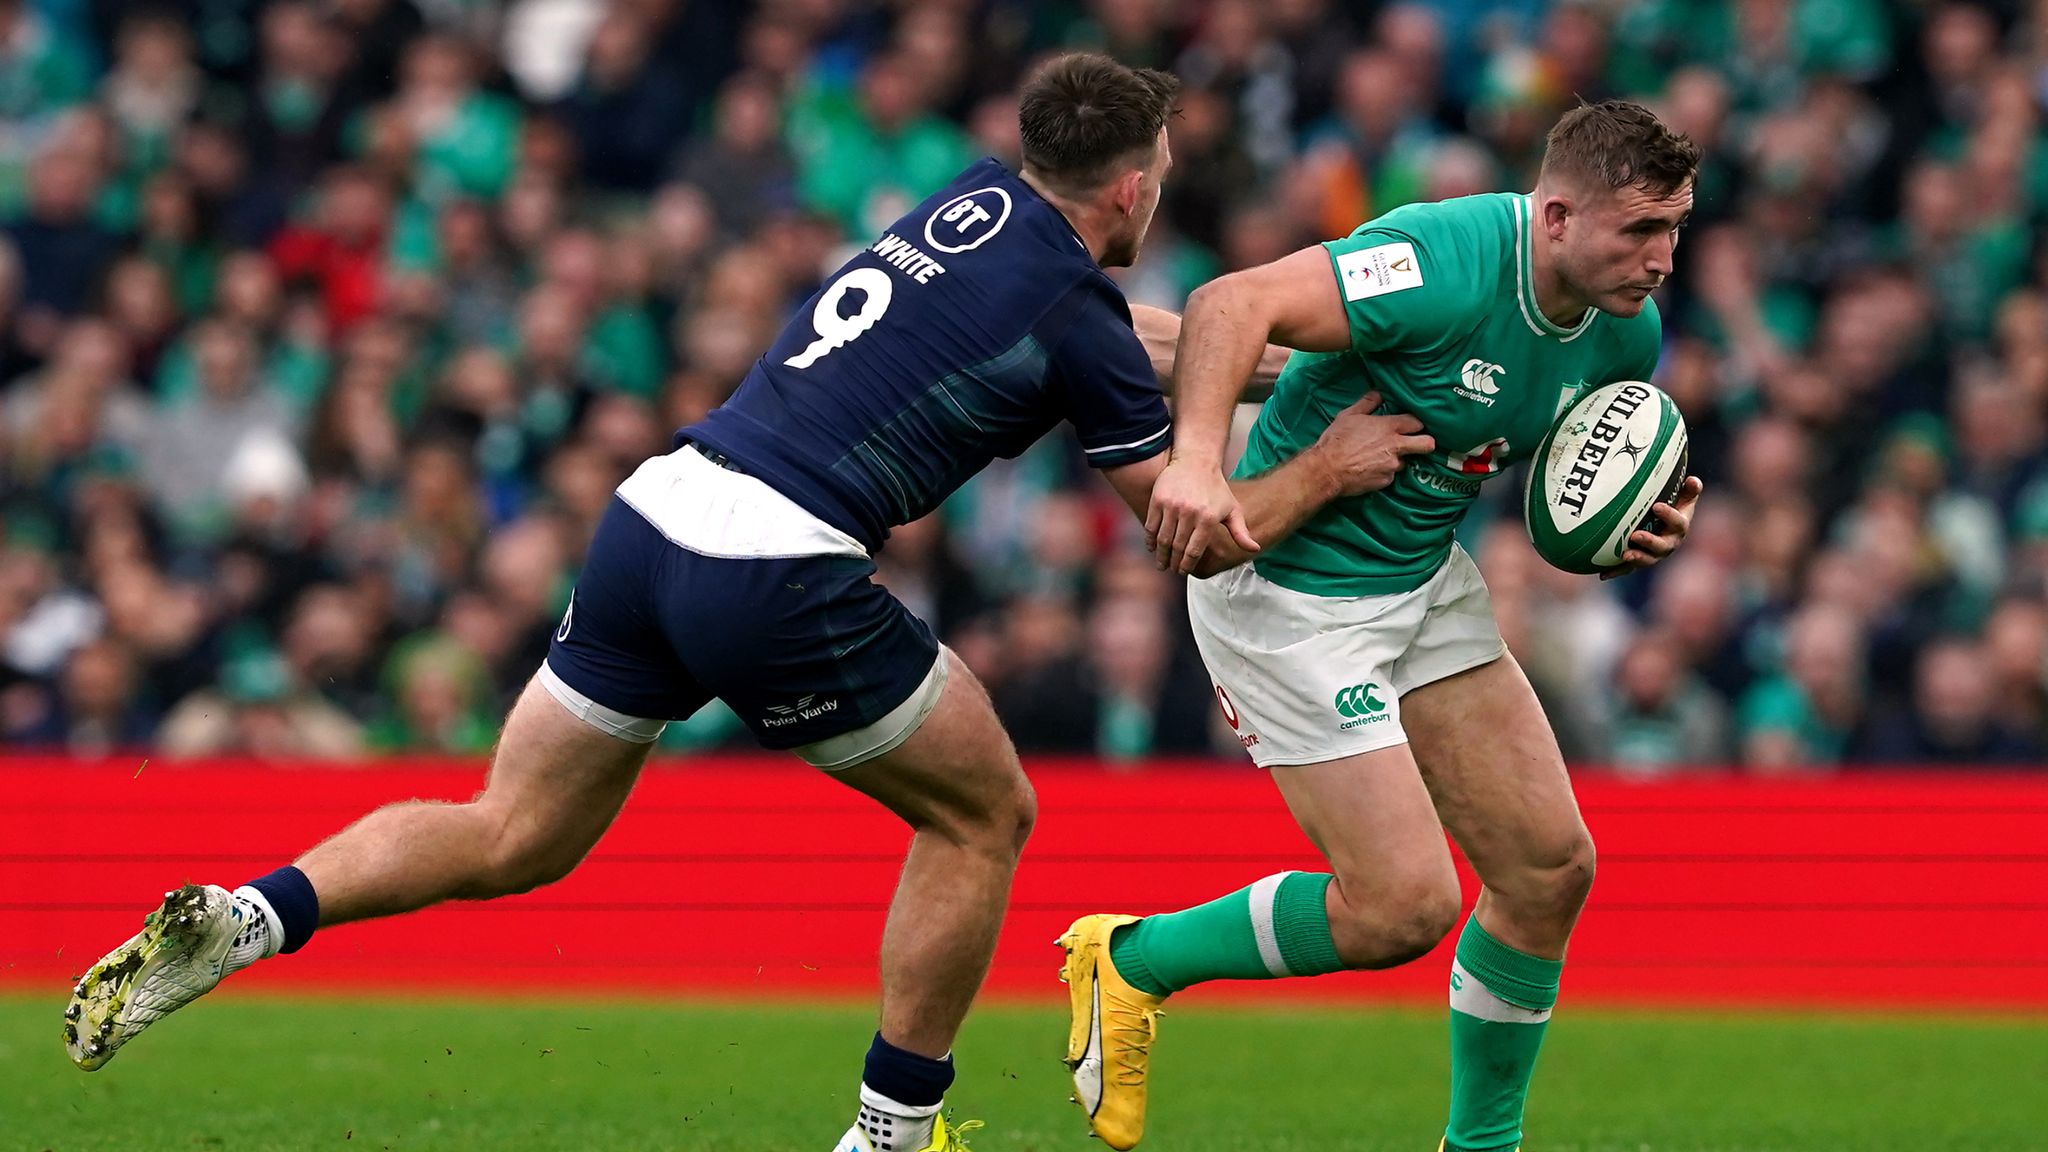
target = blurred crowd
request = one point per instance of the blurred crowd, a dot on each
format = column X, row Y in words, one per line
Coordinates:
column 327, row 327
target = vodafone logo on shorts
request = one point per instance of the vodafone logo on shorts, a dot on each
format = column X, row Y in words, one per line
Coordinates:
column 1229, row 709
column 1230, row 717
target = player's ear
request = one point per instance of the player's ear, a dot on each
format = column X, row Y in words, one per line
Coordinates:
column 1129, row 188
column 1555, row 210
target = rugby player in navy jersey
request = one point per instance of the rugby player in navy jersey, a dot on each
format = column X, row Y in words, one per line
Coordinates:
column 739, row 566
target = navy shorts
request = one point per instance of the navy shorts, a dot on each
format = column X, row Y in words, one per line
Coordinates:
column 802, row 648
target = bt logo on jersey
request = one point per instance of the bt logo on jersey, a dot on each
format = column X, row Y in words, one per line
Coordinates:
column 967, row 221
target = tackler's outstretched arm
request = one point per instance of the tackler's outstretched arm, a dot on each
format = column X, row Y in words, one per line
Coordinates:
column 1160, row 332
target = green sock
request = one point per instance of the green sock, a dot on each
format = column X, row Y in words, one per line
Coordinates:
column 1500, row 1005
column 1277, row 927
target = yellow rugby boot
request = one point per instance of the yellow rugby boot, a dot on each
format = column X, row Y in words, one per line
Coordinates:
column 944, row 1138
column 1110, row 1033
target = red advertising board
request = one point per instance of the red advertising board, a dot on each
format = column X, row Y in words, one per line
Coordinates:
column 735, row 876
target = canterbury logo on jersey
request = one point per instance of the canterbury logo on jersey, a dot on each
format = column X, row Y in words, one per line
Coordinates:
column 1476, row 381
column 1478, row 376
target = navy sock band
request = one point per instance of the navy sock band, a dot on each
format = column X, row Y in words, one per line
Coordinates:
column 291, row 896
column 906, row 1077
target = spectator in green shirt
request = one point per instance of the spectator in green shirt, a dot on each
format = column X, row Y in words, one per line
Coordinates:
column 1767, row 48
column 1971, row 260
column 42, row 72
column 865, row 161
column 1660, row 716
column 440, row 691
column 465, row 140
column 1805, row 715
column 153, row 88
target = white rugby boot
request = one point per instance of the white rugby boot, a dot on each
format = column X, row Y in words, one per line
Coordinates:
column 180, row 954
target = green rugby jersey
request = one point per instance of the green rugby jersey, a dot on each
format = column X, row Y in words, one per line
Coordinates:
column 1444, row 325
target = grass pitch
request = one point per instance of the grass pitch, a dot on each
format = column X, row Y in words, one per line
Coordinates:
column 257, row 1073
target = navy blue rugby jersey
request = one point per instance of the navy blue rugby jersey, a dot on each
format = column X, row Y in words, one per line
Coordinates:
column 971, row 328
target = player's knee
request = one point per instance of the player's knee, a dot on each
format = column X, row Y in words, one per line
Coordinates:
column 527, row 868
column 1556, row 885
column 1418, row 925
column 1572, row 881
column 1022, row 812
column 520, row 856
column 996, row 819
column 1009, row 818
column 1396, row 920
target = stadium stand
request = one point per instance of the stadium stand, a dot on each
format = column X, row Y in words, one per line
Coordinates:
column 326, row 329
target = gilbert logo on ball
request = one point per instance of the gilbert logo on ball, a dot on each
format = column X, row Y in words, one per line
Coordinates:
column 1611, row 455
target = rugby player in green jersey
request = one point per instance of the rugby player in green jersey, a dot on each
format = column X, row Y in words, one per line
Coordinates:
column 1358, row 660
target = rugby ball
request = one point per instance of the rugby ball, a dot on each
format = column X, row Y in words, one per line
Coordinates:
column 1614, row 452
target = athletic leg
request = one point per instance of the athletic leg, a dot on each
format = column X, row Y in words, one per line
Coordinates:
column 555, row 784
column 1306, row 683
column 943, row 764
column 957, row 782
column 1391, row 895
column 1500, row 786
column 1394, row 893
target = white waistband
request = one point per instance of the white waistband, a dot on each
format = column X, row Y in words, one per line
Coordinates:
column 715, row 511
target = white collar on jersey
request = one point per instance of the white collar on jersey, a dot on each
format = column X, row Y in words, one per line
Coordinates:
column 1525, row 281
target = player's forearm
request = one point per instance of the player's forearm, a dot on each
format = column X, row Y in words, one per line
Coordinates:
column 1275, row 504
column 1222, row 338
column 1159, row 331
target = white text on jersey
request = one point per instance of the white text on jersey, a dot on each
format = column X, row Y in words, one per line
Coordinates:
column 907, row 256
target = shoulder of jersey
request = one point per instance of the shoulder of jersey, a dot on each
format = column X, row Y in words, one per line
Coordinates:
column 998, row 213
column 1466, row 245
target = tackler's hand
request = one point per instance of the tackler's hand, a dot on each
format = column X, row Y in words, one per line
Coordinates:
column 1191, row 502
column 1363, row 451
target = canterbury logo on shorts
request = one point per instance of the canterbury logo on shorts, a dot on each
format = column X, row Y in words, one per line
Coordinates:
column 1359, row 700
column 1360, row 704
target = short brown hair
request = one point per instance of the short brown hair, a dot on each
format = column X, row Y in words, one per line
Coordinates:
column 1620, row 144
column 1081, row 114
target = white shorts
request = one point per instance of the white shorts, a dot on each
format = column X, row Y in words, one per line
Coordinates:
column 1302, row 679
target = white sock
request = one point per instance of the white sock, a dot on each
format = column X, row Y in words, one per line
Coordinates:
column 1473, row 998
column 260, row 937
column 894, row 1127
